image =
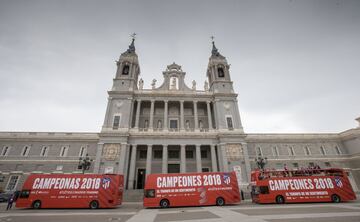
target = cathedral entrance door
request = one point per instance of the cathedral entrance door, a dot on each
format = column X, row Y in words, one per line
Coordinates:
column 140, row 182
column 174, row 168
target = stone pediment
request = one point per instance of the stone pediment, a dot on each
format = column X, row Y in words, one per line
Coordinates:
column 174, row 78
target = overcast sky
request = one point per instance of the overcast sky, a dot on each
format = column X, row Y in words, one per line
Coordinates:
column 294, row 63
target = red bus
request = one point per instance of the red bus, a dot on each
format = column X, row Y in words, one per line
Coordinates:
column 297, row 186
column 71, row 191
column 191, row 189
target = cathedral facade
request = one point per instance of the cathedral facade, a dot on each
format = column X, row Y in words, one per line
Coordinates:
column 171, row 128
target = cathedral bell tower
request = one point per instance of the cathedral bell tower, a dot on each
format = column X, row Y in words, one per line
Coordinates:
column 227, row 116
column 128, row 70
column 120, row 100
column 218, row 72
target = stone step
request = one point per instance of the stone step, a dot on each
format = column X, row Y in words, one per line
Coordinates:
column 133, row 195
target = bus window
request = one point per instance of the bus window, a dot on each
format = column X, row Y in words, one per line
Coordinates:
column 264, row 189
column 150, row 193
column 25, row 194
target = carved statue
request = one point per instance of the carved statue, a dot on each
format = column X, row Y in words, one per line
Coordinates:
column 200, row 124
column 141, row 84
column 193, row 85
column 159, row 125
column 206, row 86
column 187, row 124
column 153, row 84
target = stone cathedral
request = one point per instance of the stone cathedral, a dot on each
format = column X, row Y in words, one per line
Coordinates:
column 171, row 128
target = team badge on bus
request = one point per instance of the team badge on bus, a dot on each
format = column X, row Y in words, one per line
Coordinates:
column 338, row 182
column 106, row 182
column 226, row 178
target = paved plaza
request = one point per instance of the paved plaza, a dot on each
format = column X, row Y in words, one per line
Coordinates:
column 133, row 212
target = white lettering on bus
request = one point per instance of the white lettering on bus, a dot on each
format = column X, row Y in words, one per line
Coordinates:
column 188, row 181
column 301, row 184
column 66, row 183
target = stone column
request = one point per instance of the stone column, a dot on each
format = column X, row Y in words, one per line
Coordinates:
column 137, row 114
column 165, row 115
column 198, row 159
column 209, row 115
column 122, row 161
column 213, row 158
column 132, row 167
column 165, row 159
column 247, row 161
column 151, row 121
column 98, row 157
column 225, row 165
column 196, row 119
column 182, row 115
column 148, row 160
column 182, row 159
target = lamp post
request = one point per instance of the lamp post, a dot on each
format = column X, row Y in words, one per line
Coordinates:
column 261, row 162
column 84, row 163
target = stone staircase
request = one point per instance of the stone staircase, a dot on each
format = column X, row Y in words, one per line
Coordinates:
column 133, row 195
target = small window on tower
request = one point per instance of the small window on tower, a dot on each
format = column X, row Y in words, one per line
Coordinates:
column 221, row 72
column 116, row 122
column 125, row 70
column 229, row 123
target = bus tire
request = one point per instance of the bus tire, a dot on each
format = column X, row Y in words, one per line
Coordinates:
column 280, row 199
column 220, row 201
column 164, row 203
column 335, row 198
column 36, row 204
column 94, row 204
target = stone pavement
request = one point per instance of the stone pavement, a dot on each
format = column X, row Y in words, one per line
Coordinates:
column 133, row 212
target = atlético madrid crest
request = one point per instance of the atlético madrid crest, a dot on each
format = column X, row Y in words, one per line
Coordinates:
column 105, row 183
column 226, row 178
column 338, row 182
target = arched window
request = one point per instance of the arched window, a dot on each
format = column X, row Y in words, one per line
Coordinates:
column 258, row 151
column 221, row 73
column 322, row 150
column 125, row 70
column 338, row 151
column 275, row 151
column 291, row 151
column 307, row 151
column 25, row 151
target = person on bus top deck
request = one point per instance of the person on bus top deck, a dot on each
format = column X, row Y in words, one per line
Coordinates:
column 286, row 170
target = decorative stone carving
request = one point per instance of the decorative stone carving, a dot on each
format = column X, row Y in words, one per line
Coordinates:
column 153, row 84
column 110, row 151
column 234, row 152
column 194, row 85
column 118, row 104
column 206, row 86
column 173, row 85
column 227, row 106
column 141, row 84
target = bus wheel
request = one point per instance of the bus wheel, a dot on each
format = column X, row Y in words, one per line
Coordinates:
column 280, row 199
column 164, row 203
column 94, row 204
column 220, row 201
column 335, row 198
column 36, row 204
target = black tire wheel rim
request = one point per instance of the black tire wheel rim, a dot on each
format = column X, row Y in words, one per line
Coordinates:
column 37, row 204
column 164, row 204
column 220, row 202
column 94, row 205
column 280, row 200
column 336, row 199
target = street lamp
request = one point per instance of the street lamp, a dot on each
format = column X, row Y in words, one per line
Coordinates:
column 261, row 162
column 84, row 163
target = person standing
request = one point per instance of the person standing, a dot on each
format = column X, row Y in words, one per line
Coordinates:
column 10, row 202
